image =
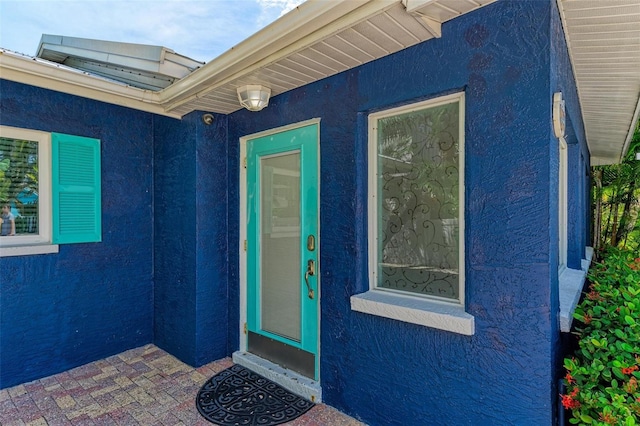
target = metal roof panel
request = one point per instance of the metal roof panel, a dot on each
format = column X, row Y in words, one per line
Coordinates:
column 138, row 65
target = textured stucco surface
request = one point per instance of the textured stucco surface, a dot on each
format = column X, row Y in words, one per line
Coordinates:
column 384, row 371
column 173, row 187
column 190, row 265
column 562, row 80
column 578, row 186
column 175, row 237
column 88, row 301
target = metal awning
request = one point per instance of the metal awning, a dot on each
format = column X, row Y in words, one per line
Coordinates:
column 138, row 65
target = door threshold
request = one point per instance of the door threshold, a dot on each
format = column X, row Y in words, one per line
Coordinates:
column 288, row 379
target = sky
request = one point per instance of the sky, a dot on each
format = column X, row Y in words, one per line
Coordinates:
column 199, row 29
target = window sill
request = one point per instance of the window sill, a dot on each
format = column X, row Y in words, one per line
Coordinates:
column 415, row 310
column 28, row 250
column 570, row 284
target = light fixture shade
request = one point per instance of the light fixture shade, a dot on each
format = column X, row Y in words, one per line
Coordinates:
column 558, row 115
column 254, row 97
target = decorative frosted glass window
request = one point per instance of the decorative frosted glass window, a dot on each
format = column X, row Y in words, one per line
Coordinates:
column 416, row 199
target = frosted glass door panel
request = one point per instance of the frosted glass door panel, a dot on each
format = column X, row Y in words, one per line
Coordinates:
column 280, row 245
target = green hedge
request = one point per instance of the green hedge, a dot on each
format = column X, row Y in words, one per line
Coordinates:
column 603, row 374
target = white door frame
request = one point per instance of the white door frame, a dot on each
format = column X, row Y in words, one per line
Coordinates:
column 243, row 225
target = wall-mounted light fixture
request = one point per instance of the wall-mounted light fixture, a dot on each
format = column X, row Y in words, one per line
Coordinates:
column 254, row 97
column 559, row 115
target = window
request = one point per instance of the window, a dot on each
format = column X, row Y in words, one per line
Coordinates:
column 25, row 161
column 415, row 200
column 562, row 204
column 18, row 182
column 49, row 189
column 416, row 215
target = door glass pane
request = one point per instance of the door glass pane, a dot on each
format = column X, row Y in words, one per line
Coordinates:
column 280, row 245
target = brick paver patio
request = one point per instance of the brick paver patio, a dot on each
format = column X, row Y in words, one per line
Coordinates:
column 143, row 386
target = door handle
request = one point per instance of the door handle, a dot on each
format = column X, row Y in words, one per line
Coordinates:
column 311, row 270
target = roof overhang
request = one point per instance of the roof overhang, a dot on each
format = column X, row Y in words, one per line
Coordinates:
column 53, row 76
column 322, row 38
column 315, row 40
column 604, row 46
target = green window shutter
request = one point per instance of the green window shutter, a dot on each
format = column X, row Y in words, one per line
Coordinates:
column 75, row 184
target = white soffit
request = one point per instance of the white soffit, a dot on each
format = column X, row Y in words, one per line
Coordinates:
column 604, row 45
column 363, row 33
column 317, row 39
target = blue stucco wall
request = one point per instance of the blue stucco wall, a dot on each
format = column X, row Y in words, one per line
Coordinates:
column 578, row 185
column 88, row 301
column 562, row 80
column 172, row 187
column 386, row 372
column 174, row 237
column 190, row 245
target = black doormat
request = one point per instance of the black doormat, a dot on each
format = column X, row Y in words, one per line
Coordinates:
column 237, row 396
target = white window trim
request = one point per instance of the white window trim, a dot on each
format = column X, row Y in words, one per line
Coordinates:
column 562, row 205
column 570, row 283
column 415, row 310
column 407, row 307
column 20, row 245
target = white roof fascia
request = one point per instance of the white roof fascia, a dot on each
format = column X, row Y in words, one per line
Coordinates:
column 310, row 22
column 632, row 131
column 413, row 7
column 48, row 75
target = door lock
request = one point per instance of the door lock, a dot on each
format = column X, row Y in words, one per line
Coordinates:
column 311, row 243
column 311, row 270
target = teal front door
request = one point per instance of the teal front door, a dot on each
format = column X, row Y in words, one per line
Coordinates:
column 282, row 248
